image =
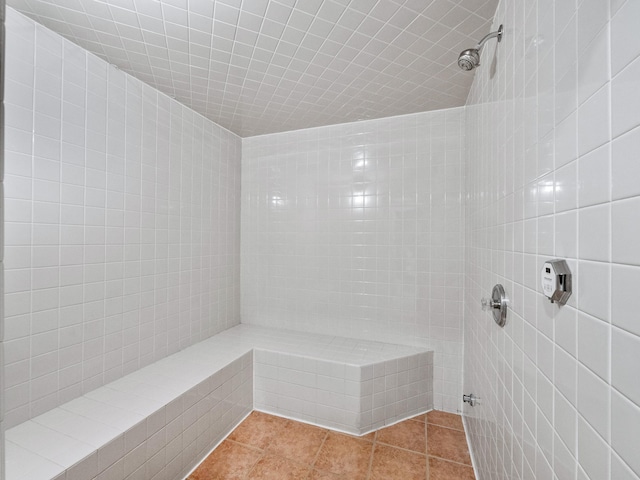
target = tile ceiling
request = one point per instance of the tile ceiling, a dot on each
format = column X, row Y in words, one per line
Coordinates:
column 264, row 66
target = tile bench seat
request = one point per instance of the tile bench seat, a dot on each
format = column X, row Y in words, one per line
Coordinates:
column 160, row 421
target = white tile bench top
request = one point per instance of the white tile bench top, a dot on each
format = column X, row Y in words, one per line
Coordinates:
column 351, row 351
column 47, row 445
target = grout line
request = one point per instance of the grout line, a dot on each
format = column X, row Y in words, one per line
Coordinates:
column 246, row 476
column 401, row 448
column 288, row 459
column 250, row 447
column 445, row 426
column 373, row 450
column 450, row 461
column 315, row 459
column 426, row 449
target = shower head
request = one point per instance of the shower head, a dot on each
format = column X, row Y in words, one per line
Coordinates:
column 470, row 58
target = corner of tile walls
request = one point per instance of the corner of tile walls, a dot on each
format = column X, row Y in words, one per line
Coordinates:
column 2, row 62
column 552, row 133
column 122, row 223
column 357, row 230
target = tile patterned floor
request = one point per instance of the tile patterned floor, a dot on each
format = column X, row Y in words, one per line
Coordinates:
column 426, row 447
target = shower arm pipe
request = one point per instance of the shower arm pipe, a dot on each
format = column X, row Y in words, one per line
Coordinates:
column 488, row 37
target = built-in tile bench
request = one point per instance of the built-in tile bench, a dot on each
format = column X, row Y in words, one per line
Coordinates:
column 160, row 421
column 346, row 384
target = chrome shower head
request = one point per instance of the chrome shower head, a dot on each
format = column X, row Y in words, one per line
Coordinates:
column 470, row 58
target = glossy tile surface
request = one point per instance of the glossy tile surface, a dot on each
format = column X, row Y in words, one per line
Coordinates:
column 95, row 163
column 551, row 171
column 262, row 66
column 269, row 447
column 354, row 225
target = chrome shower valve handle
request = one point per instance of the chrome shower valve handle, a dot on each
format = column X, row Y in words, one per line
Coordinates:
column 488, row 304
column 497, row 304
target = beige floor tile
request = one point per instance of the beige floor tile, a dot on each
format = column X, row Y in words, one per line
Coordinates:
column 345, row 455
column 230, row 461
column 272, row 467
column 299, row 442
column 258, row 430
column 444, row 419
column 448, row 443
column 391, row 463
column 408, row 434
column 445, row 470
column 266, row 447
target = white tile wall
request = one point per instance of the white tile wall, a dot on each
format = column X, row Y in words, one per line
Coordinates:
column 122, row 223
column 122, row 233
column 356, row 230
column 553, row 135
column 2, row 138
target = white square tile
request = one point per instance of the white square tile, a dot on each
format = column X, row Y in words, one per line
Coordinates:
column 624, row 104
column 593, row 344
column 594, row 178
column 625, row 229
column 566, row 422
column 623, row 414
column 565, row 372
column 36, row 466
column 625, row 165
column 594, row 233
column 566, row 234
column 593, row 454
column 620, row 470
column 593, row 65
column 593, row 401
column 566, row 329
column 594, row 119
column 48, row 443
column 87, row 467
column 563, row 462
column 625, row 45
column 566, row 187
column 625, row 303
column 624, row 363
column 592, row 279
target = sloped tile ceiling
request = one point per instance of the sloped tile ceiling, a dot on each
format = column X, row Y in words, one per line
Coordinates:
column 264, row 66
